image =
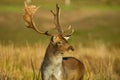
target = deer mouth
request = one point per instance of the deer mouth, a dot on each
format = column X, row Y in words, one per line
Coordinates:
column 71, row 48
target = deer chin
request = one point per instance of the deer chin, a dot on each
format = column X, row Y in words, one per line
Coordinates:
column 70, row 51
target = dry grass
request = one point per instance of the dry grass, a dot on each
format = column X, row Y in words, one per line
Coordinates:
column 99, row 61
column 15, row 62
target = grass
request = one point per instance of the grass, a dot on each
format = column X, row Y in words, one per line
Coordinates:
column 99, row 60
column 15, row 61
column 10, row 8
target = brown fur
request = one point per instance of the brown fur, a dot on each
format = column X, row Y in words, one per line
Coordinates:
column 74, row 68
column 57, row 67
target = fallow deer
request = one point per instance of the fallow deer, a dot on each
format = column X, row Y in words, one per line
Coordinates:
column 54, row 65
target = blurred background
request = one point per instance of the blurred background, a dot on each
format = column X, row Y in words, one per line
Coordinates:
column 92, row 20
column 96, row 37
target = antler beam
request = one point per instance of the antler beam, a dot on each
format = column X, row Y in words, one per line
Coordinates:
column 56, row 19
column 29, row 12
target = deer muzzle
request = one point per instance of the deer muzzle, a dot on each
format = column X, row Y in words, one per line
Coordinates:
column 71, row 48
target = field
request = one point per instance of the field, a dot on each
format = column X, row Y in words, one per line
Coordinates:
column 101, row 62
column 96, row 38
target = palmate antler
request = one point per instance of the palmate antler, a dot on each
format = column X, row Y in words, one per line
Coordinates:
column 29, row 12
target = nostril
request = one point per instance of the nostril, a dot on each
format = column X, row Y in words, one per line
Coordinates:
column 71, row 48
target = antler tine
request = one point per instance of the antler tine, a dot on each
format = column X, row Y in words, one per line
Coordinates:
column 69, row 29
column 30, row 11
column 56, row 19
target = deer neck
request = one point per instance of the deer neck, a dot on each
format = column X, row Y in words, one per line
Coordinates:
column 52, row 55
column 52, row 64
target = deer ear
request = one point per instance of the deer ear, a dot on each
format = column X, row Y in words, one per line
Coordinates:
column 66, row 38
column 54, row 39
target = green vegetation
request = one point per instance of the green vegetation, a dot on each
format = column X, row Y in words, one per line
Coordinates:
column 93, row 22
column 10, row 8
column 89, row 24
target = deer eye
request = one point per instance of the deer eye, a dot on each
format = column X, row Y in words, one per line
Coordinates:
column 59, row 43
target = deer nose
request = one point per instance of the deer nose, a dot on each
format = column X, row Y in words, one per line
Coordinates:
column 71, row 48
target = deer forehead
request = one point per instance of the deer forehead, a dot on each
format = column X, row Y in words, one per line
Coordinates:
column 57, row 38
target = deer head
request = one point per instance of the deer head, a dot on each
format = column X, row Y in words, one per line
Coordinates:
column 59, row 41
